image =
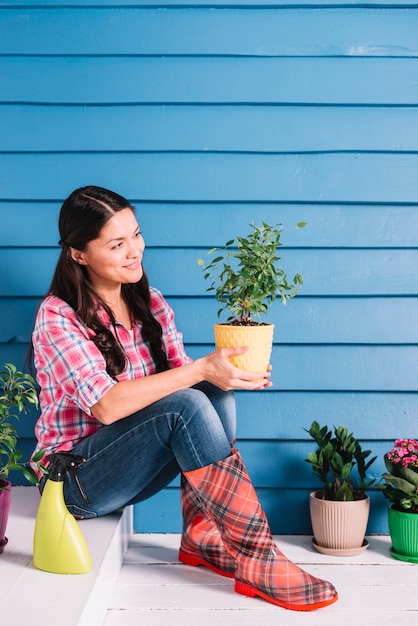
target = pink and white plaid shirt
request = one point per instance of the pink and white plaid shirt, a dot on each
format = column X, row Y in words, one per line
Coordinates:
column 71, row 370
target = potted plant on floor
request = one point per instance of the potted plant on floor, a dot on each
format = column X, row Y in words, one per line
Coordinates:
column 400, row 487
column 340, row 510
column 246, row 278
column 17, row 392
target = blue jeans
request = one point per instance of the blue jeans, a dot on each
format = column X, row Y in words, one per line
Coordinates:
column 134, row 458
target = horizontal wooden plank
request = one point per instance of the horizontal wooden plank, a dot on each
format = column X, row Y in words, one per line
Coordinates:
column 287, row 511
column 276, row 464
column 315, row 320
column 234, row 128
column 318, row 368
column 176, row 272
column 284, row 415
column 42, row 4
column 281, row 465
column 131, row 80
column 252, row 31
column 331, row 178
column 341, row 368
column 208, row 225
column 328, row 225
column 305, row 320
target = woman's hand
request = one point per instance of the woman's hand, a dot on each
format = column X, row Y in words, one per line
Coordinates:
column 221, row 372
column 129, row 396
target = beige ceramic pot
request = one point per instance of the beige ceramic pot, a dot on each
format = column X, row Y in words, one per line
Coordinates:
column 259, row 339
column 339, row 527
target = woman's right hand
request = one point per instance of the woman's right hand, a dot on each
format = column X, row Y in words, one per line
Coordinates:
column 128, row 396
column 219, row 370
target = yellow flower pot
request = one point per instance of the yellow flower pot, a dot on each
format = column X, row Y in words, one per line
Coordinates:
column 259, row 340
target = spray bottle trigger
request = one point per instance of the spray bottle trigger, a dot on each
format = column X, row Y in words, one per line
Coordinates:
column 73, row 473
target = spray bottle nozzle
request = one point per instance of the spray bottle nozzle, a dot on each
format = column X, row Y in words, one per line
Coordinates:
column 63, row 462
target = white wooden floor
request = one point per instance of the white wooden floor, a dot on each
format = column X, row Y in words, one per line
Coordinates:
column 154, row 589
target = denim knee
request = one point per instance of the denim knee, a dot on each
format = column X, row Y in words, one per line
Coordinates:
column 198, row 434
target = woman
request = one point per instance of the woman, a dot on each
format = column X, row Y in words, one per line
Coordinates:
column 118, row 389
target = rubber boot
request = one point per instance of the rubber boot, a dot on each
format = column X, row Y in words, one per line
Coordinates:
column 201, row 541
column 228, row 496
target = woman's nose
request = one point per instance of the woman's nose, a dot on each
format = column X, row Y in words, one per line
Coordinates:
column 136, row 247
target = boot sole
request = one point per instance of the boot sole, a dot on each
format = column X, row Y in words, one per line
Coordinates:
column 195, row 561
column 251, row 592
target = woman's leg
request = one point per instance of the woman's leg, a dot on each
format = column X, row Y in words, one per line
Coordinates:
column 134, row 457
column 224, row 404
column 201, row 540
column 225, row 490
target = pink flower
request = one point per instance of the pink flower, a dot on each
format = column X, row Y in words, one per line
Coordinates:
column 405, row 452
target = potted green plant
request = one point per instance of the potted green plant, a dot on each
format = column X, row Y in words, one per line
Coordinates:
column 17, row 393
column 246, row 278
column 400, row 487
column 340, row 510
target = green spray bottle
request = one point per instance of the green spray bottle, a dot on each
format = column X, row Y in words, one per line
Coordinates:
column 59, row 545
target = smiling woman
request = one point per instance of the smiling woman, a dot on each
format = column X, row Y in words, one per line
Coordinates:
column 113, row 259
column 118, row 389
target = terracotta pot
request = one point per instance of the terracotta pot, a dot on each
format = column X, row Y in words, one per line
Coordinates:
column 403, row 530
column 259, row 339
column 4, row 511
column 339, row 526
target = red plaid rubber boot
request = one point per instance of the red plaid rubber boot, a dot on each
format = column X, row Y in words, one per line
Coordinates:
column 228, row 496
column 201, row 541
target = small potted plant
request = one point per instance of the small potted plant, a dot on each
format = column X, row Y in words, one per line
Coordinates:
column 340, row 510
column 17, row 392
column 246, row 278
column 400, row 487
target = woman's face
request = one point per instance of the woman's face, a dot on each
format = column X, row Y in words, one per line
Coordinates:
column 115, row 257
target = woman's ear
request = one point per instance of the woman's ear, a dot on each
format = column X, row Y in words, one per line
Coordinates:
column 78, row 256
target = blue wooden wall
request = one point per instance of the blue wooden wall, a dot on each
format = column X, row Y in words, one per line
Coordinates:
column 208, row 116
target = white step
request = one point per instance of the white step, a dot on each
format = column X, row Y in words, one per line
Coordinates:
column 30, row 596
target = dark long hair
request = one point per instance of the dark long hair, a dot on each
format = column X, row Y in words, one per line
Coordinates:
column 83, row 215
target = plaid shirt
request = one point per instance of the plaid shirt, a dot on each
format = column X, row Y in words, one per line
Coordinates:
column 71, row 370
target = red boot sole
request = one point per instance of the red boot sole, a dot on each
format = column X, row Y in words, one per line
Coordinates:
column 247, row 590
column 194, row 561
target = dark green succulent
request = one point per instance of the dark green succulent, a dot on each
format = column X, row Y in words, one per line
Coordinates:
column 338, row 454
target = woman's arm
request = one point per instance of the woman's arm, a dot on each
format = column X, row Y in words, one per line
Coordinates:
column 127, row 397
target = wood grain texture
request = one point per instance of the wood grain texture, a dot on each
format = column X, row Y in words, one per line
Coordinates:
column 209, row 118
column 347, row 31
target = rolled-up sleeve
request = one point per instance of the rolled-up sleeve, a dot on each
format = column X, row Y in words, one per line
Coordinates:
column 67, row 359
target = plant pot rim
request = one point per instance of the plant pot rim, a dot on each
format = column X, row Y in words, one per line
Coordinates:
column 4, row 482
column 252, row 325
column 314, row 495
column 401, row 511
